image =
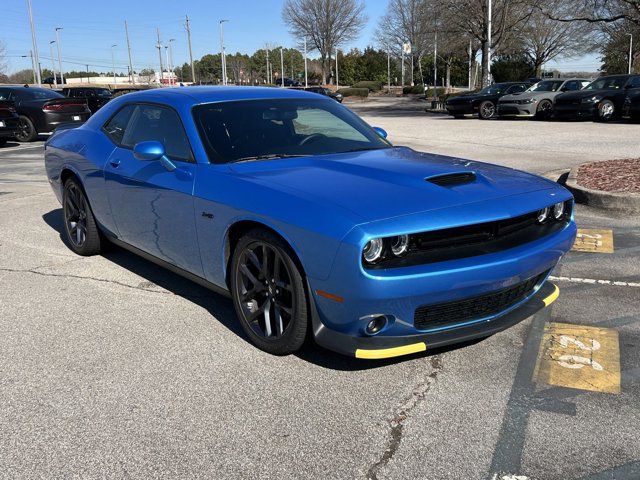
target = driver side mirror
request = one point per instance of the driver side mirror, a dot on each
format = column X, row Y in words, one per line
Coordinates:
column 152, row 150
column 381, row 132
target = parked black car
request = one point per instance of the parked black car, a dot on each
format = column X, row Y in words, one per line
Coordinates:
column 483, row 102
column 326, row 92
column 631, row 104
column 96, row 97
column 41, row 110
column 8, row 121
column 601, row 100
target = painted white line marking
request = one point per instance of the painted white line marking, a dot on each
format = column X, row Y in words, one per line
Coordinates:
column 593, row 281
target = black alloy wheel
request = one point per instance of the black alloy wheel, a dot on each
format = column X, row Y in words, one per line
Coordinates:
column 26, row 131
column 544, row 110
column 269, row 294
column 81, row 231
column 487, row 110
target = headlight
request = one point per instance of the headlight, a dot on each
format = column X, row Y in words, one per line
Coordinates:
column 543, row 215
column 373, row 250
column 526, row 101
column 558, row 210
column 593, row 99
column 400, row 245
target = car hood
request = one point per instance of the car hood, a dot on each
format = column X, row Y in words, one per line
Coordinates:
column 527, row 95
column 381, row 184
column 466, row 98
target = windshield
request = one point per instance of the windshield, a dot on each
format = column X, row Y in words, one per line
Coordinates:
column 39, row 94
column 611, row 83
column 255, row 129
column 101, row 92
column 492, row 89
column 546, row 86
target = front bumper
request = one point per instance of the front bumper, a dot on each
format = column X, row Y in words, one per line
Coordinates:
column 387, row 347
column 516, row 110
column 460, row 109
column 575, row 110
column 8, row 127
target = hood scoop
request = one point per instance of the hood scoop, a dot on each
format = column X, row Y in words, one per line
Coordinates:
column 452, row 179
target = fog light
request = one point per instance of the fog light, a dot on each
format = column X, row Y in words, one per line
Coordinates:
column 376, row 324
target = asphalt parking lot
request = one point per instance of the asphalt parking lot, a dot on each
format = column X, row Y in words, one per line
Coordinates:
column 112, row 367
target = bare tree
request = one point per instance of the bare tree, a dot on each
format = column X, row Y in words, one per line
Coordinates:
column 327, row 24
column 545, row 39
column 3, row 63
column 595, row 11
column 508, row 17
column 405, row 21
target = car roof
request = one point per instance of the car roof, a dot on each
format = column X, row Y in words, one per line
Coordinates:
column 211, row 94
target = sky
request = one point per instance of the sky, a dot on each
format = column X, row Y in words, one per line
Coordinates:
column 91, row 27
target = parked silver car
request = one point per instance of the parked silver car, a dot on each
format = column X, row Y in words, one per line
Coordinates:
column 537, row 101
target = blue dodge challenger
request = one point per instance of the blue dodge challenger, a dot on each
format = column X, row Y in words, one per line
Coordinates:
column 311, row 221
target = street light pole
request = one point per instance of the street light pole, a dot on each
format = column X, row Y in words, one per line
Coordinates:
column 59, row 56
column 171, row 68
column 126, row 30
column 281, row 68
column 166, row 55
column 53, row 63
column 487, row 50
column 337, row 75
column 306, row 79
column 388, row 72
column 223, row 58
column 113, row 64
column 630, row 51
column 35, row 58
column 187, row 26
column 159, row 47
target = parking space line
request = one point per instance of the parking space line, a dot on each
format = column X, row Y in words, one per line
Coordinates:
column 594, row 281
column 594, row 240
column 579, row 356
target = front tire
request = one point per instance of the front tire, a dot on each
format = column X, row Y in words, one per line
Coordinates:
column 26, row 130
column 486, row 110
column 543, row 112
column 268, row 293
column 81, row 231
column 606, row 110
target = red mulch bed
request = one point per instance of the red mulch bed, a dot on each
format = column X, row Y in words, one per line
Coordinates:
column 611, row 175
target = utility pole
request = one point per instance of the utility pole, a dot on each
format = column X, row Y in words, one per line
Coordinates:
column 166, row 56
column 306, row 78
column 187, row 26
column 53, row 63
column 281, row 68
column 268, row 79
column 469, row 81
column 88, row 74
column 388, row 72
column 486, row 48
column 630, row 51
column 132, row 79
column 159, row 47
column 113, row 64
column 222, row 54
column 34, row 53
column 337, row 75
column 59, row 56
column 171, row 66
column 435, row 66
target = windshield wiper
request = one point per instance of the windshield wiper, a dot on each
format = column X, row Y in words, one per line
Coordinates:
column 269, row 156
column 364, row 149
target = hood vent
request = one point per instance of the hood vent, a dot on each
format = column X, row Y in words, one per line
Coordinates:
column 452, row 179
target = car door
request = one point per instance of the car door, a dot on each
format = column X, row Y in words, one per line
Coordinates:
column 151, row 206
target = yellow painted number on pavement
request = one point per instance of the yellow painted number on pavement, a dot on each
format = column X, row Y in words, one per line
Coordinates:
column 592, row 240
column 578, row 356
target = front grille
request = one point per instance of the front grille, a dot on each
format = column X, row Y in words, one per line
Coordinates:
column 474, row 308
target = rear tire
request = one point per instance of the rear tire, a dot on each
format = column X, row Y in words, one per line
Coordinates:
column 268, row 291
column 487, row 110
column 606, row 110
column 26, row 130
column 81, row 231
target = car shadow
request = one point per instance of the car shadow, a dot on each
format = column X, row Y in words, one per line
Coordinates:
column 222, row 308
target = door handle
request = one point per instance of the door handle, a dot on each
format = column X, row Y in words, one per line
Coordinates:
column 115, row 163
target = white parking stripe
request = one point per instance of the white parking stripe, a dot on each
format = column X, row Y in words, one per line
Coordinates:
column 594, row 281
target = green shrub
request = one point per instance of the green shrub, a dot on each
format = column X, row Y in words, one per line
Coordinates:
column 354, row 92
column 370, row 85
column 416, row 89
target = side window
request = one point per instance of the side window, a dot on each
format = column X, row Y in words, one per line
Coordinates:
column 5, row 94
column 634, row 82
column 152, row 122
column 116, row 127
column 516, row 89
column 573, row 85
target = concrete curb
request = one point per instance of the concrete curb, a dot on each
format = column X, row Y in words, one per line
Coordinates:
column 618, row 201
